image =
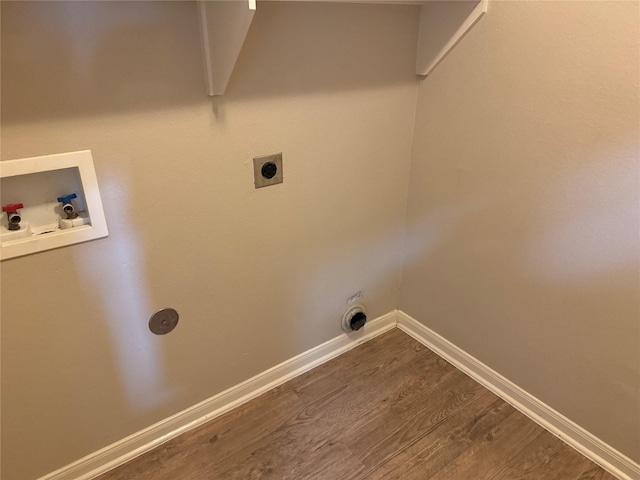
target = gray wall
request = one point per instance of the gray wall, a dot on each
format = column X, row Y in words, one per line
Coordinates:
column 522, row 227
column 522, row 222
column 258, row 276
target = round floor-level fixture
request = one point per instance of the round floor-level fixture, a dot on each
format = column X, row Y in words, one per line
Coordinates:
column 354, row 318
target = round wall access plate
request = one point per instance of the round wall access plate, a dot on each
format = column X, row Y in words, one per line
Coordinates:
column 163, row 321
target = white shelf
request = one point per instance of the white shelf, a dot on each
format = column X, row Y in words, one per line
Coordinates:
column 225, row 24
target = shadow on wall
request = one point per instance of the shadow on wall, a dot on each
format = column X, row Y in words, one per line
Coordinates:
column 59, row 369
column 100, row 57
column 522, row 224
column 117, row 57
column 536, row 266
column 346, row 58
column 117, row 283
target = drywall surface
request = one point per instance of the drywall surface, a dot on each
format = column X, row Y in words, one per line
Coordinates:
column 522, row 225
column 257, row 276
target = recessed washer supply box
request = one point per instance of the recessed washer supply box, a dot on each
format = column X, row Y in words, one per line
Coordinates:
column 38, row 183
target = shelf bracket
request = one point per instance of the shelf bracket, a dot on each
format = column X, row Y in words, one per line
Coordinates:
column 442, row 25
column 224, row 26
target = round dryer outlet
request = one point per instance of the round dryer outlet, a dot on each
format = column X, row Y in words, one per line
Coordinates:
column 354, row 318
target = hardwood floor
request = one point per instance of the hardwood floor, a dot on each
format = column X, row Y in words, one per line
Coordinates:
column 389, row 409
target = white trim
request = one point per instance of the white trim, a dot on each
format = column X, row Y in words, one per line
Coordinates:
column 206, row 52
column 574, row 435
column 141, row 442
column 134, row 445
column 83, row 161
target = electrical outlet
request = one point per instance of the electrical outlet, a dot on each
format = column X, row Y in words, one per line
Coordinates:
column 267, row 170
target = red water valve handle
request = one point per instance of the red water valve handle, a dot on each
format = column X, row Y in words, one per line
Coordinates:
column 12, row 207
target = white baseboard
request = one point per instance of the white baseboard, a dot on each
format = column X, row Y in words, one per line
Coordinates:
column 134, row 445
column 140, row 442
column 577, row 437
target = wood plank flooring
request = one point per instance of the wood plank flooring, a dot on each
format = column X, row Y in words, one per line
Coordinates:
column 388, row 409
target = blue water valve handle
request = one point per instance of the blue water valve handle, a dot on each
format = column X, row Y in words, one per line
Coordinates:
column 67, row 198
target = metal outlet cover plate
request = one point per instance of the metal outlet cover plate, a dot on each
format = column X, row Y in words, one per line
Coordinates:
column 259, row 164
column 163, row 321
